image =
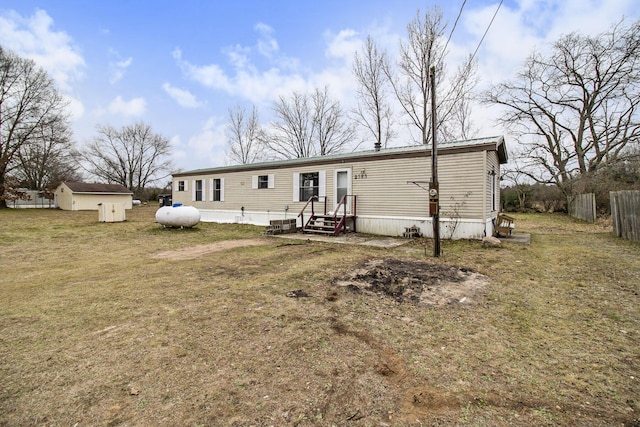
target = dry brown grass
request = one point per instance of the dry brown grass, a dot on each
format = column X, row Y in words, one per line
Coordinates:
column 97, row 329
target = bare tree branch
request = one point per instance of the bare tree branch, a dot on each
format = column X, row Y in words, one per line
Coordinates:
column 133, row 156
column 373, row 111
column 308, row 126
column 244, row 136
column 30, row 109
column 577, row 108
column 425, row 49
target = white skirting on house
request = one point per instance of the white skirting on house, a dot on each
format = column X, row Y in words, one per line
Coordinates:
column 450, row 228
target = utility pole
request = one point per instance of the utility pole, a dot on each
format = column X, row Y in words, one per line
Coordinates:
column 434, row 191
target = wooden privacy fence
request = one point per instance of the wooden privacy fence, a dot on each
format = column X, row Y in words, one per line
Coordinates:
column 625, row 214
column 583, row 206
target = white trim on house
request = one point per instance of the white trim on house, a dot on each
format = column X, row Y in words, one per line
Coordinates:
column 296, row 186
column 383, row 181
column 336, row 199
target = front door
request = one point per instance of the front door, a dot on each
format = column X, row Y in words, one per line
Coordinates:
column 342, row 180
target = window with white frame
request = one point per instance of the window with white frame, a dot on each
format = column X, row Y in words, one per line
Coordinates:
column 262, row 181
column 199, row 190
column 217, row 190
column 181, row 185
column 308, row 184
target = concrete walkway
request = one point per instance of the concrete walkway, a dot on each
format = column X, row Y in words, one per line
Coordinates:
column 349, row 239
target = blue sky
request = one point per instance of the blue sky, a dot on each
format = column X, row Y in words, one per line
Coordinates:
column 180, row 66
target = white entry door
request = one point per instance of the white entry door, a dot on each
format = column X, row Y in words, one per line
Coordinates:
column 342, row 187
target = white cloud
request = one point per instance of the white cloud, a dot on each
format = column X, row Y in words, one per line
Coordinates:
column 34, row 38
column 267, row 43
column 239, row 56
column 184, row 98
column 343, row 45
column 75, row 108
column 260, row 87
column 209, row 144
column 282, row 75
column 133, row 107
column 118, row 66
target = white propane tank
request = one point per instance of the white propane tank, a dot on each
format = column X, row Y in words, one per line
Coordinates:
column 178, row 216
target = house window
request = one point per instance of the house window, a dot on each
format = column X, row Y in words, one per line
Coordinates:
column 494, row 186
column 493, row 193
column 309, row 185
column 199, row 190
column 263, row 181
column 181, row 186
column 217, row 189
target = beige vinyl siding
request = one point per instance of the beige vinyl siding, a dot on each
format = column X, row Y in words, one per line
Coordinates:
column 461, row 179
column 90, row 202
column 387, row 191
column 382, row 187
column 64, row 198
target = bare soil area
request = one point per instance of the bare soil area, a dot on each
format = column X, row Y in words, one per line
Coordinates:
column 192, row 252
column 414, row 281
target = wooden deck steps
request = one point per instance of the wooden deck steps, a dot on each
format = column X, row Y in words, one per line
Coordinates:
column 327, row 224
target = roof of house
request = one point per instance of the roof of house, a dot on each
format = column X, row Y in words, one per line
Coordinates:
column 83, row 187
column 495, row 143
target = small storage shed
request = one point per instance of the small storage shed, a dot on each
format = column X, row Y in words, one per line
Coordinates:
column 111, row 212
column 81, row 196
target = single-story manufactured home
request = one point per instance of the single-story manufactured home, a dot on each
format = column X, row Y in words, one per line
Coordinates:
column 387, row 191
column 31, row 199
column 81, row 196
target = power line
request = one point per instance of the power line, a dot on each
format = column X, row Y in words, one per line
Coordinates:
column 486, row 31
column 479, row 43
column 454, row 26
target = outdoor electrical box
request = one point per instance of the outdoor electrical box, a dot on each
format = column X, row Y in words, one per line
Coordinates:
column 433, row 198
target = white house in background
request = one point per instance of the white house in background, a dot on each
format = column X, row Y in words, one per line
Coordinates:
column 389, row 188
column 31, row 199
column 80, row 196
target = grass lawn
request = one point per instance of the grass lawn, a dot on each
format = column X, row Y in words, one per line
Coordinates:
column 136, row 325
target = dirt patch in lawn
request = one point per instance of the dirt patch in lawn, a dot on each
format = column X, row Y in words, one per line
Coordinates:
column 193, row 252
column 417, row 282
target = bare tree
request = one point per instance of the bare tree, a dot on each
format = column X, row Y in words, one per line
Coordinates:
column 244, row 136
column 133, row 156
column 576, row 109
column 48, row 160
column 373, row 111
column 308, row 126
column 331, row 132
column 30, row 108
column 425, row 49
column 292, row 135
column 454, row 110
